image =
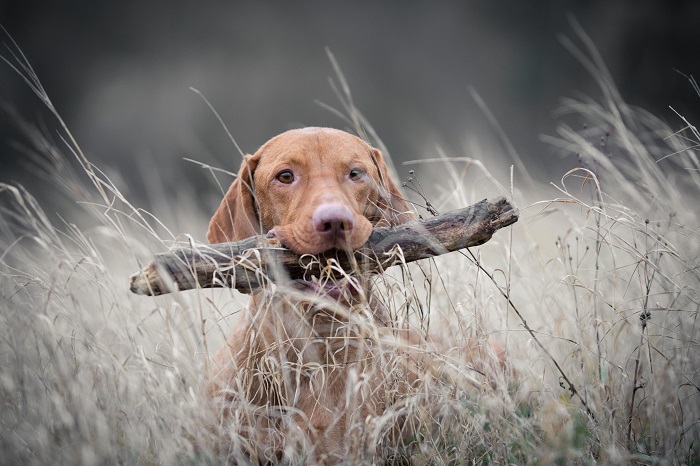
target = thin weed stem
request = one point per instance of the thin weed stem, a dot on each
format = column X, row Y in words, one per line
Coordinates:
column 569, row 385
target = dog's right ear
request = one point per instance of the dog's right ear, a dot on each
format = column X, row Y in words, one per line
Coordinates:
column 236, row 218
column 392, row 206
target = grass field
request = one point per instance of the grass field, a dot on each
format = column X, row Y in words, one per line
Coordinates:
column 594, row 295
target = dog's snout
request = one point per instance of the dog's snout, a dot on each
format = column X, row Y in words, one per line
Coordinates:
column 332, row 225
column 333, row 220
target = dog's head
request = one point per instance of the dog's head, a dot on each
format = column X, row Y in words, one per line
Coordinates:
column 315, row 188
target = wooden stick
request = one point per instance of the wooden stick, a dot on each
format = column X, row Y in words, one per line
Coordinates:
column 246, row 265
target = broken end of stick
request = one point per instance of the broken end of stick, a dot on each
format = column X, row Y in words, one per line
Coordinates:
column 149, row 282
column 507, row 213
column 139, row 282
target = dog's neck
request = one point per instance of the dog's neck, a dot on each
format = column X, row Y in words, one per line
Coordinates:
column 293, row 335
column 317, row 314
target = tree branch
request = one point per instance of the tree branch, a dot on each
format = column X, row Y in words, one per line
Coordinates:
column 247, row 264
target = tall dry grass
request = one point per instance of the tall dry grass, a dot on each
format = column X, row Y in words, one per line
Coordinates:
column 593, row 296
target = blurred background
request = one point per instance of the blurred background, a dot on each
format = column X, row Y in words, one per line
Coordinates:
column 120, row 74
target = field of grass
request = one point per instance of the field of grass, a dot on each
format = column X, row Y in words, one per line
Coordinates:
column 593, row 294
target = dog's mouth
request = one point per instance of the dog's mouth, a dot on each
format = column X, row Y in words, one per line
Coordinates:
column 304, row 239
column 345, row 289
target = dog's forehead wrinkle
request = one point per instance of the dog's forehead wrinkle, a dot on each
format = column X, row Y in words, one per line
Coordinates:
column 320, row 152
column 316, row 136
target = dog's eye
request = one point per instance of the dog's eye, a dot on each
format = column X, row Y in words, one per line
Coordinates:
column 285, row 177
column 357, row 174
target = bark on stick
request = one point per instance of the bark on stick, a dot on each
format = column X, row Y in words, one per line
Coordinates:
column 248, row 264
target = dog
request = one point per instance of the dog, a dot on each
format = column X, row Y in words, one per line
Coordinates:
column 302, row 375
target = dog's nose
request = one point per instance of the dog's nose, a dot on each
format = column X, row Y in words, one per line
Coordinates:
column 333, row 221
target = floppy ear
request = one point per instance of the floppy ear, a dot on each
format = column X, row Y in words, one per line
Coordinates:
column 392, row 206
column 236, row 218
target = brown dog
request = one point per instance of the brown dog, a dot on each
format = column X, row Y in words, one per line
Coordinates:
column 302, row 372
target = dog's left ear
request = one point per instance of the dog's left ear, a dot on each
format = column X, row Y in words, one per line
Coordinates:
column 392, row 206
